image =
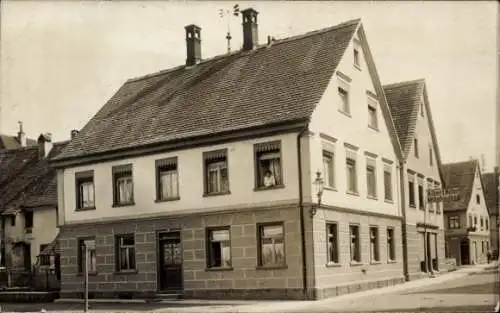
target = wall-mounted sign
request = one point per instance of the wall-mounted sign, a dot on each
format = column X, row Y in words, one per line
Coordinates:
column 440, row 195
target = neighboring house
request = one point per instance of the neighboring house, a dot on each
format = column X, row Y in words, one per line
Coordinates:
column 491, row 192
column 28, row 204
column 467, row 219
column 200, row 179
column 423, row 229
column 14, row 142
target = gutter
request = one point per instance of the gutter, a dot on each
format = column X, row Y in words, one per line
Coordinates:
column 301, row 213
column 404, row 231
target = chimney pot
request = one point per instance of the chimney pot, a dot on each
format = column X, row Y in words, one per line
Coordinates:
column 21, row 136
column 250, row 29
column 193, row 44
column 44, row 144
column 74, row 132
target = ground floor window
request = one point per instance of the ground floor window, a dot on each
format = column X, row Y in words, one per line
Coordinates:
column 271, row 245
column 219, row 248
column 125, row 252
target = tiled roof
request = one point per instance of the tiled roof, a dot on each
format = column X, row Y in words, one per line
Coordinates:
column 11, row 142
column 51, row 248
column 274, row 83
column 28, row 180
column 490, row 181
column 404, row 101
column 460, row 175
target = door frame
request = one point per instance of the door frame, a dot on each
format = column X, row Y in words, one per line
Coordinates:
column 158, row 258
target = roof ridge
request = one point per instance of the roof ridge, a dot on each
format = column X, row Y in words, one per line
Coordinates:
column 243, row 52
column 403, row 83
column 461, row 162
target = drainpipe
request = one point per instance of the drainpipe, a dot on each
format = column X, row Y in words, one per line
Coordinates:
column 404, row 232
column 301, row 212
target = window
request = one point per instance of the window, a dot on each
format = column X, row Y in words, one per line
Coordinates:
column 332, row 243
column 28, row 219
column 216, row 172
column 481, row 221
column 478, row 199
column 387, row 183
column 123, row 187
column 486, row 222
column 344, row 99
column 219, row 248
column 167, row 184
column 371, row 180
column 411, row 192
column 13, row 220
column 482, row 246
column 356, row 57
column 44, row 258
column 454, row 222
column 354, row 243
column 374, row 244
column 438, row 204
column 125, row 252
column 90, row 255
column 431, row 157
column 272, row 245
column 415, row 147
column 268, row 164
column 85, row 190
column 328, row 171
column 351, row 175
column 471, row 224
column 372, row 114
column 421, row 196
column 391, row 245
column 422, row 109
column 475, row 220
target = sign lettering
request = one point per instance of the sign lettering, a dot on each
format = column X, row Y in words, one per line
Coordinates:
column 439, row 195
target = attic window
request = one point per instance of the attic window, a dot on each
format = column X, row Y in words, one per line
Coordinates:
column 356, row 55
column 422, row 109
column 478, row 199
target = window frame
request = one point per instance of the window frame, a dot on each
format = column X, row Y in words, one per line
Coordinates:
column 209, row 249
column 212, row 157
column 335, row 260
column 260, row 149
column 329, row 178
column 375, row 256
column 162, row 166
column 454, row 222
column 351, row 163
column 260, row 229
column 391, row 245
column 80, row 258
column 388, row 183
column 83, row 178
column 118, row 248
column 358, row 255
column 371, row 167
column 122, row 172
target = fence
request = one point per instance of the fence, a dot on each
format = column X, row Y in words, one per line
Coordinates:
column 39, row 279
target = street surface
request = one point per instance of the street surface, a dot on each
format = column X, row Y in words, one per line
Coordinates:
column 472, row 290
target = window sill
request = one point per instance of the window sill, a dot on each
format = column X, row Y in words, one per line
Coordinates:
column 218, row 269
column 268, row 188
column 90, row 274
column 214, row 194
column 167, row 199
column 373, row 128
column 372, row 197
column 375, row 262
column 330, row 188
column 117, row 205
column 392, row 261
column 352, row 193
column 126, row 272
column 355, row 263
column 271, row 267
column 90, row 208
column 331, row 264
column 389, row 201
column 345, row 113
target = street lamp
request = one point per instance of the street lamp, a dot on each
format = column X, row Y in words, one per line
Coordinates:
column 319, row 191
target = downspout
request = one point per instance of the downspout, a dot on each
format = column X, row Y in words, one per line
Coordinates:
column 404, row 232
column 301, row 213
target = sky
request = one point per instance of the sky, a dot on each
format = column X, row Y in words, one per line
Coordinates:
column 60, row 61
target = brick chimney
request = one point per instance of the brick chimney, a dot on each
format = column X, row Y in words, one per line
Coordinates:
column 44, row 144
column 193, row 44
column 74, row 132
column 21, row 136
column 250, row 29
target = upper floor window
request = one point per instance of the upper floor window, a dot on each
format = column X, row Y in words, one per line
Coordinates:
column 28, row 219
column 454, row 222
column 431, row 156
column 216, row 172
column 391, row 245
column 415, row 147
column 387, row 182
column 372, row 113
column 475, row 220
column 85, row 190
column 371, row 178
column 328, row 168
column 411, row 191
column 486, row 223
column 478, row 199
column 343, row 92
column 271, row 244
column 344, row 99
column 351, row 175
column 167, row 184
column 482, row 222
column 470, row 221
column 421, row 203
column 123, row 185
column 268, row 167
